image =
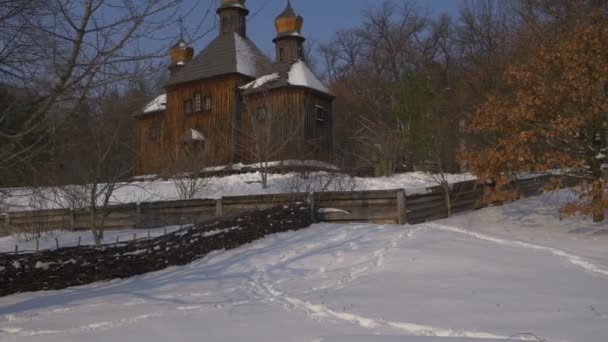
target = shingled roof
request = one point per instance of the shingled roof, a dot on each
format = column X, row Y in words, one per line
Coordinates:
column 226, row 54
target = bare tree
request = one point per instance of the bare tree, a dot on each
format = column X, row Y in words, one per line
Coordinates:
column 186, row 169
column 66, row 51
column 269, row 132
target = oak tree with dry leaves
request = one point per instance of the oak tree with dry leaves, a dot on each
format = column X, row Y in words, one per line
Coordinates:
column 553, row 115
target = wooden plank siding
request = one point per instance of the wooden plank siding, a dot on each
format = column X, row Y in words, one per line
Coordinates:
column 229, row 125
column 215, row 124
column 150, row 148
column 295, row 132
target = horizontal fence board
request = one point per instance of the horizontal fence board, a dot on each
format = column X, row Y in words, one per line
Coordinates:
column 356, row 203
column 370, row 213
column 176, row 204
column 356, row 195
column 271, row 198
column 416, row 201
column 374, row 221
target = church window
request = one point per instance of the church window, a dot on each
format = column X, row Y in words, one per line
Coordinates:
column 321, row 115
column 188, row 106
column 197, row 102
column 261, row 113
column 207, row 105
column 153, row 132
column 281, row 54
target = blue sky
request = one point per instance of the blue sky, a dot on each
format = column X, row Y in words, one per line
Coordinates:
column 321, row 17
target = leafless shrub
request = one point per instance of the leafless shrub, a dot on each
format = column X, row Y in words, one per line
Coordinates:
column 185, row 170
column 307, row 181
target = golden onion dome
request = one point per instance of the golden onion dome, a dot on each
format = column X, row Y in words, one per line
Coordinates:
column 288, row 22
column 181, row 52
column 233, row 3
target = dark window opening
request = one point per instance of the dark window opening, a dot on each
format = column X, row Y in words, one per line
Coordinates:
column 281, row 54
column 225, row 25
column 197, row 102
column 153, row 133
column 261, row 113
column 188, row 106
column 207, row 105
column 321, row 115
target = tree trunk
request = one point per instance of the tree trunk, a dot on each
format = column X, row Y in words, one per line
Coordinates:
column 598, row 208
column 448, row 201
column 264, row 179
column 598, row 191
column 93, row 226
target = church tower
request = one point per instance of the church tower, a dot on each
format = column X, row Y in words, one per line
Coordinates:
column 289, row 42
column 233, row 17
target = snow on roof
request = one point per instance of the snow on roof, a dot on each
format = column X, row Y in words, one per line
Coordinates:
column 245, row 57
column 261, row 81
column 301, row 75
column 158, row 104
column 196, row 135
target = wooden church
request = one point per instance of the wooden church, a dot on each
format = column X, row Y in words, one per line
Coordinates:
column 232, row 104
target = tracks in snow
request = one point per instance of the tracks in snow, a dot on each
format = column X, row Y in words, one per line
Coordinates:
column 263, row 289
column 573, row 259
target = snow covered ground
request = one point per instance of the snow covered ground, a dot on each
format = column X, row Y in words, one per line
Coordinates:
column 234, row 185
column 70, row 238
column 485, row 276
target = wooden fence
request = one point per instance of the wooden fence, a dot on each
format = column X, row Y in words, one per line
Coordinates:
column 384, row 206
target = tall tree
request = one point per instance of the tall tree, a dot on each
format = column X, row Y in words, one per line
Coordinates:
column 554, row 116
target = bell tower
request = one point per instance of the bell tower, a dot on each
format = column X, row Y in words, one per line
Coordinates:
column 233, row 17
column 289, row 41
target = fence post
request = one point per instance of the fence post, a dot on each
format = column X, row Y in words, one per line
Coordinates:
column 219, row 207
column 401, row 207
column 313, row 207
column 137, row 214
column 72, row 219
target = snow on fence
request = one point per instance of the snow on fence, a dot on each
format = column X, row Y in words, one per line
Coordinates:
column 380, row 206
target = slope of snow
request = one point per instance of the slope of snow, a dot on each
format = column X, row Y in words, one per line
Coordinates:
column 197, row 135
column 245, row 58
column 159, row 103
column 260, row 81
column 301, row 75
column 234, row 185
column 334, row 283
